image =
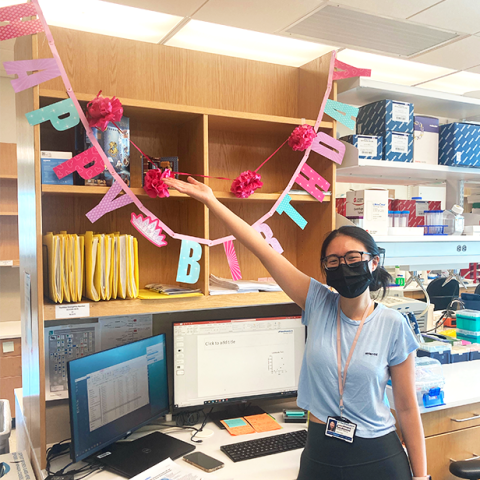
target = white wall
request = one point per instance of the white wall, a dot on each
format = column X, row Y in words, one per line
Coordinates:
column 9, row 276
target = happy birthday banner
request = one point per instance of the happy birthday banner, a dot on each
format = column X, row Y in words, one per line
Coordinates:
column 68, row 113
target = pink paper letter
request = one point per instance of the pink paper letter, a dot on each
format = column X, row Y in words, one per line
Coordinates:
column 269, row 238
column 149, row 228
column 48, row 69
column 16, row 28
column 336, row 151
column 349, row 71
column 310, row 180
column 232, row 260
column 78, row 163
column 109, row 203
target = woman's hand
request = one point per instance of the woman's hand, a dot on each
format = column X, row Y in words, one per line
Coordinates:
column 197, row 190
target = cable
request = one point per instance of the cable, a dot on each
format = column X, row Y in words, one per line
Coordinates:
column 201, row 428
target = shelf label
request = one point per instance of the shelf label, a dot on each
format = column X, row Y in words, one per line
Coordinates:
column 76, row 310
column 367, row 146
column 6, row 263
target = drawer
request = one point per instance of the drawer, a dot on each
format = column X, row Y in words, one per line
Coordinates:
column 10, row 367
column 458, row 445
column 7, row 386
column 443, row 421
column 17, row 347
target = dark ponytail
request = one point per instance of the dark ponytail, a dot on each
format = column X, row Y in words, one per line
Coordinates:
column 381, row 278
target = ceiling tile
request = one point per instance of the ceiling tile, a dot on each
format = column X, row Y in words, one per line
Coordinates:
column 183, row 8
column 458, row 55
column 266, row 16
column 458, row 15
column 389, row 8
column 459, row 83
column 474, row 69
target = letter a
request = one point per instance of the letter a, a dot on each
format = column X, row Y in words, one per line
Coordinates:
column 18, row 28
column 342, row 112
column 48, row 69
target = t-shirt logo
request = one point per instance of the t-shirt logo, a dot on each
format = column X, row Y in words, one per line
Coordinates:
column 372, row 353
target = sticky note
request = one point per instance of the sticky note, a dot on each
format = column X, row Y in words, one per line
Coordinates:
column 8, row 347
column 235, row 422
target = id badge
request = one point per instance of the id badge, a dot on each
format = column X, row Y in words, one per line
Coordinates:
column 341, row 428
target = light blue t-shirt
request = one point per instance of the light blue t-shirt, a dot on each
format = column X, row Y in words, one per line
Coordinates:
column 386, row 340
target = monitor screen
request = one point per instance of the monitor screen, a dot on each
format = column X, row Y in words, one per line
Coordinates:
column 228, row 361
column 114, row 392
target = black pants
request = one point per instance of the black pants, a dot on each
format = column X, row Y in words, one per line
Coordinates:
column 326, row 458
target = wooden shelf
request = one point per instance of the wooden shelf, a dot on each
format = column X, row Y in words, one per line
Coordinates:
column 139, row 192
column 9, row 214
column 4, row 176
column 120, row 307
column 355, row 170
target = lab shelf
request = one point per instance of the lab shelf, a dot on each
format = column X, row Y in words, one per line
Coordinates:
column 363, row 90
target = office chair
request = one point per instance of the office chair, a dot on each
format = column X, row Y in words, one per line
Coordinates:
column 466, row 468
column 477, row 290
column 441, row 295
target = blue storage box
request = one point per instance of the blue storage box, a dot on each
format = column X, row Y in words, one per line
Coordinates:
column 385, row 116
column 49, row 161
column 398, row 147
column 459, row 145
column 442, row 357
column 370, row 147
column 471, row 301
column 457, row 357
column 475, row 355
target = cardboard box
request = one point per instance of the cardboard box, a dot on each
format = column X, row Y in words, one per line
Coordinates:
column 416, row 216
column 370, row 147
column 385, row 116
column 459, row 145
column 50, row 160
column 162, row 163
column 372, row 205
column 425, row 140
column 398, row 147
column 341, row 206
column 17, row 466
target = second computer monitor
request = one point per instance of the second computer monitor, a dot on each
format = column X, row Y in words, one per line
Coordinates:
column 229, row 361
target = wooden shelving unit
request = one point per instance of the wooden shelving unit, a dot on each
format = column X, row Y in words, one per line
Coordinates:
column 220, row 116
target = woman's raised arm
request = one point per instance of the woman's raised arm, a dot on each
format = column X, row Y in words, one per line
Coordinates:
column 292, row 281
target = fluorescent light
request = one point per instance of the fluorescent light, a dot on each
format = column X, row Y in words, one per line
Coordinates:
column 111, row 19
column 236, row 42
column 457, row 83
column 393, row 70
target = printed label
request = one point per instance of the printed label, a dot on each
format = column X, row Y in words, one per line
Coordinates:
column 6, row 263
column 376, row 211
column 400, row 112
column 458, row 157
column 77, row 310
column 468, row 333
column 367, row 147
column 400, row 143
column 420, row 208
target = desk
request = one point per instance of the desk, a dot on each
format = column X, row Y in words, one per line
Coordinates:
column 280, row 466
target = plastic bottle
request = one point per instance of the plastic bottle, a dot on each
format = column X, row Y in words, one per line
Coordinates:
column 454, row 221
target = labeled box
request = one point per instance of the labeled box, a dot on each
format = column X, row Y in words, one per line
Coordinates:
column 372, row 205
column 49, row 161
column 416, row 217
column 425, row 139
column 370, row 147
column 385, row 116
column 398, row 147
column 459, row 145
column 341, row 206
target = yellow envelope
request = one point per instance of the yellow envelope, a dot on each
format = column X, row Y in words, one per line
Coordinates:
column 132, row 267
column 52, row 266
column 92, row 272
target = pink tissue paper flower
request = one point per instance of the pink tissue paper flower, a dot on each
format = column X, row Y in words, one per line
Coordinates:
column 102, row 110
column 302, row 137
column 246, row 183
column 154, row 185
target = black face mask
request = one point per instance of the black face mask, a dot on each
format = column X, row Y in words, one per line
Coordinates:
column 350, row 282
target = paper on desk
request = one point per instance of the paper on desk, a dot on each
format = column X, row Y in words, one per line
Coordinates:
column 263, row 422
column 167, row 470
column 117, row 331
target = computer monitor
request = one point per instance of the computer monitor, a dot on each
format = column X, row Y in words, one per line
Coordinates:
column 232, row 361
column 114, row 392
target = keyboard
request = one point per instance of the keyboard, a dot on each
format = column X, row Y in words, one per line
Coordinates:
column 265, row 446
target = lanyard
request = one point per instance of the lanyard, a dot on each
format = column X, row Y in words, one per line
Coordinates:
column 342, row 380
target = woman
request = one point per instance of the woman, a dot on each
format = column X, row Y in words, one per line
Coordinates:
column 364, row 444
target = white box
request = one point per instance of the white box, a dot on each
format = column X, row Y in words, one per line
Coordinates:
column 372, row 205
column 425, row 140
column 17, row 466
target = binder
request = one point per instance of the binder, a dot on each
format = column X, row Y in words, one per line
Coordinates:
column 52, row 264
column 122, row 267
column 92, row 273
column 132, row 267
column 115, row 266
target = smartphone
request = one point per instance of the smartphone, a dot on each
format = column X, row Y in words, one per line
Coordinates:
column 204, row 462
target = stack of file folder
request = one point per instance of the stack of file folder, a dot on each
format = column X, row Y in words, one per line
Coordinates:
column 97, row 266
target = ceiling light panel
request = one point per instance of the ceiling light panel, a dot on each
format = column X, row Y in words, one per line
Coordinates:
column 183, row 8
column 347, row 27
column 236, row 42
column 459, row 83
column 392, row 70
column 106, row 18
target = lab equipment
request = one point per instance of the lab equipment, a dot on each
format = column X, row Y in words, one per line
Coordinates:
column 438, row 350
column 390, row 218
column 405, row 305
column 434, row 222
column 468, row 325
column 429, row 382
column 114, row 392
column 261, row 447
column 441, row 293
column 455, row 274
column 454, row 221
column 403, row 218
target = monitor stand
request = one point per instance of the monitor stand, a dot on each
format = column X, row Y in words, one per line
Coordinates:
column 234, row 411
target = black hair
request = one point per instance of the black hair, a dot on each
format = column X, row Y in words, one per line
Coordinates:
column 381, row 278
